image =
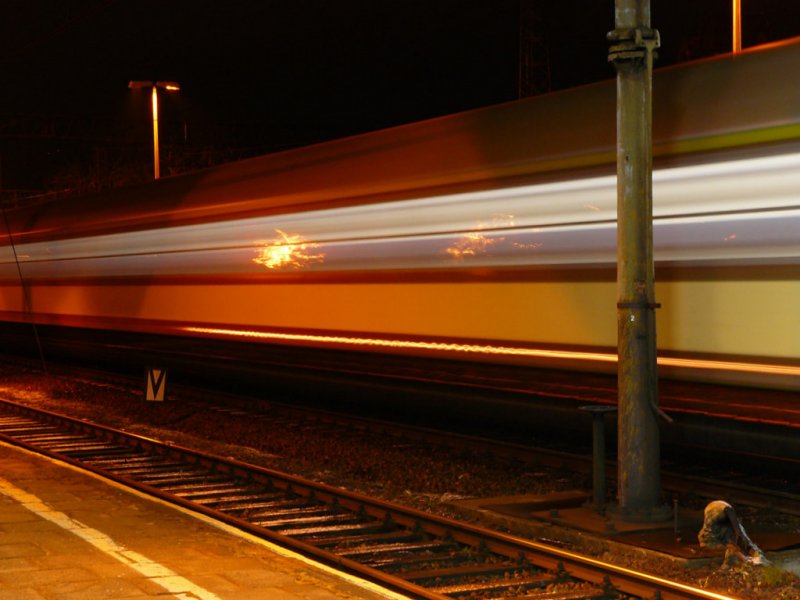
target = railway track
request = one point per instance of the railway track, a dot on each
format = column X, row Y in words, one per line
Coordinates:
column 403, row 549
column 741, row 477
column 756, row 480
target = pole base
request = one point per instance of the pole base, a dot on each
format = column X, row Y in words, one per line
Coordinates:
column 656, row 514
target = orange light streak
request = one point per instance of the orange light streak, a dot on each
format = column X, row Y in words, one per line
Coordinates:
column 605, row 357
column 720, row 365
column 406, row 344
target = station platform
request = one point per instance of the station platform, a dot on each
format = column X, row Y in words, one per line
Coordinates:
column 66, row 535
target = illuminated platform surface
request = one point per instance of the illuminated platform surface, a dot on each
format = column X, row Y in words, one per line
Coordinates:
column 68, row 535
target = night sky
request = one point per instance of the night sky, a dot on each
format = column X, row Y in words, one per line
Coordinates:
column 259, row 76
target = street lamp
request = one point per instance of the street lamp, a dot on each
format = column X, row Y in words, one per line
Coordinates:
column 737, row 26
column 170, row 86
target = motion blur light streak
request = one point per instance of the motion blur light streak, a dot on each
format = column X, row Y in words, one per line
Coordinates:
column 288, row 252
column 475, row 242
column 471, row 244
column 351, row 237
column 784, row 370
column 761, row 190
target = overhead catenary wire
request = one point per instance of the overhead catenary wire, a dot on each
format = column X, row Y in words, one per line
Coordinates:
column 27, row 305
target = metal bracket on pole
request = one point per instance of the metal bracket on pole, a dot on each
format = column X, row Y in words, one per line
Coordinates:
column 640, row 305
column 633, row 44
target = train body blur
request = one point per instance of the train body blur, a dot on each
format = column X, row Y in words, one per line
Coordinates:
column 488, row 235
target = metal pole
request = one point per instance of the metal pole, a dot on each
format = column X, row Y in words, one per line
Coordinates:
column 737, row 26
column 639, row 481
column 170, row 86
column 156, row 166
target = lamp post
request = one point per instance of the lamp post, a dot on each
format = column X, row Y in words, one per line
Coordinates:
column 737, row 26
column 170, row 86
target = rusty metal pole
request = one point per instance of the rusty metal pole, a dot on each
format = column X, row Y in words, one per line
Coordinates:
column 633, row 43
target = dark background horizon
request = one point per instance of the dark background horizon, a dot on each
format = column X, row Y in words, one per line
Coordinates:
column 262, row 76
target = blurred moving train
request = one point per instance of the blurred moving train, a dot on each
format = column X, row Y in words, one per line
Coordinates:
column 488, row 235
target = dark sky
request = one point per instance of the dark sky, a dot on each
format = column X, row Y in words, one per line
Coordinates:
column 261, row 75
column 307, row 69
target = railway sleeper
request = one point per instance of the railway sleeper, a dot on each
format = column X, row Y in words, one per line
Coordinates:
column 264, row 507
column 505, row 586
column 357, row 534
column 173, row 478
column 162, row 469
column 336, row 529
column 577, row 594
column 210, row 493
column 110, row 451
column 48, row 440
column 397, row 565
column 308, row 510
column 396, row 550
column 157, row 465
column 286, row 525
column 25, row 429
column 86, row 454
column 243, row 502
column 41, row 438
column 430, row 577
column 132, row 459
column 14, row 419
column 380, row 536
column 134, row 468
column 75, row 448
column 202, row 484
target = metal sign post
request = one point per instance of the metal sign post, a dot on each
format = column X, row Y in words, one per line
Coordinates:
column 633, row 43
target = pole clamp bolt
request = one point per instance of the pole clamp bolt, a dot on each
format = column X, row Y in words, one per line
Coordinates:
column 633, row 44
